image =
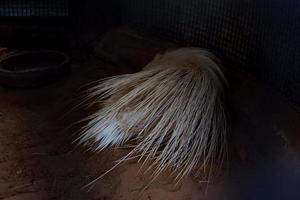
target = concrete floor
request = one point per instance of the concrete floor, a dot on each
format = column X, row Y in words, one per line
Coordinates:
column 37, row 159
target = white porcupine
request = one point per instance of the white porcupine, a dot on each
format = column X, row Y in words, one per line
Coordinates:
column 172, row 110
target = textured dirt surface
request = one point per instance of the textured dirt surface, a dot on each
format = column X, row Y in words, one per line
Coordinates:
column 38, row 160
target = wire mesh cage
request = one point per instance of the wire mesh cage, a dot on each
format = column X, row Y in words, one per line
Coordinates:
column 260, row 38
column 34, row 8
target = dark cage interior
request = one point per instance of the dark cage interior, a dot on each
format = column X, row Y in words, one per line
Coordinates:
column 258, row 37
column 22, row 8
column 78, row 42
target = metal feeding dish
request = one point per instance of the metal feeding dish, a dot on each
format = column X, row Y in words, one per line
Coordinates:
column 33, row 68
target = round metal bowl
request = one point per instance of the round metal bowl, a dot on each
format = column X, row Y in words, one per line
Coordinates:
column 33, row 68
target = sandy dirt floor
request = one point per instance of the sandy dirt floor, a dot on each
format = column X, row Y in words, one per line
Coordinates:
column 38, row 160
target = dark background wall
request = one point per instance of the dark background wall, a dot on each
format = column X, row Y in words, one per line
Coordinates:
column 258, row 37
column 55, row 23
column 261, row 38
